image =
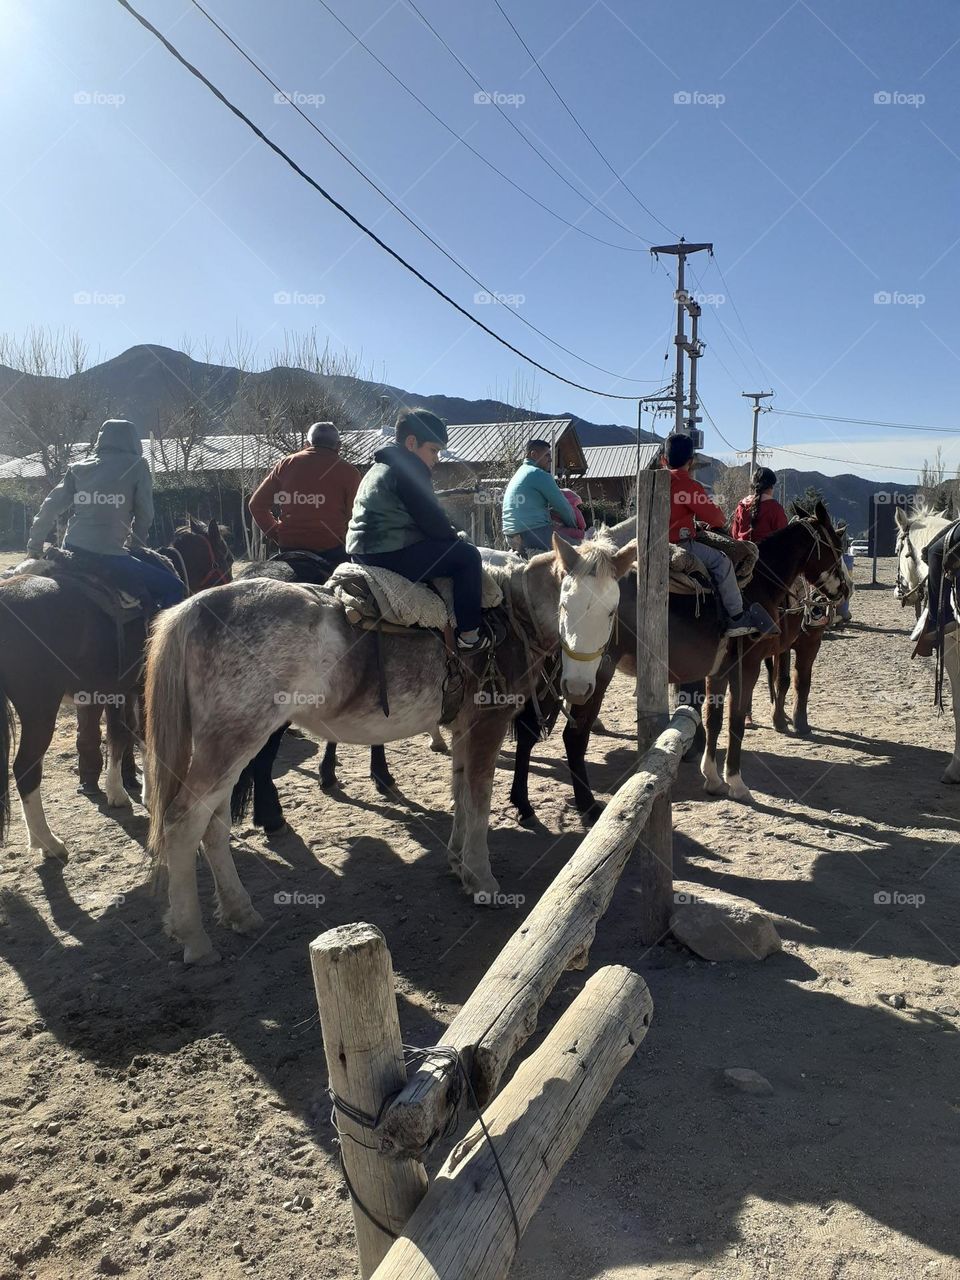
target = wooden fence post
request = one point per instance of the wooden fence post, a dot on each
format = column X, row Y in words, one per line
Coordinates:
column 353, row 975
column 464, row 1229
column 655, row 847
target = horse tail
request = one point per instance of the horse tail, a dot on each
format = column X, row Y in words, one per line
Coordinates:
column 168, row 718
column 6, row 743
column 242, row 794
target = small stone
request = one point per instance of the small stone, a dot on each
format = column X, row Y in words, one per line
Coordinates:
column 238, row 1248
column 203, row 1148
column 898, row 1001
column 950, row 1010
column 834, row 1121
column 748, row 1081
column 53, row 1126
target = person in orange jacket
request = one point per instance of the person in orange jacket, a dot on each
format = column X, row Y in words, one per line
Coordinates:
column 304, row 504
column 690, row 504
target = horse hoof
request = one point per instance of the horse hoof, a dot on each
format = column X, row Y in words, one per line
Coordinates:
column 328, row 784
column 716, row 788
column 384, row 785
column 526, row 814
column 950, row 777
column 489, row 896
column 57, row 852
column 781, row 726
column 119, row 801
column 592, row 812
column 803, row 731
column 275, row 828
column 247, row 921
column 200, row 958
column 91, row 790
column 739, row 791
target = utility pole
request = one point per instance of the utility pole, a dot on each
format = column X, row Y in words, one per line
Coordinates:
column 693, row 348
column 756, row 397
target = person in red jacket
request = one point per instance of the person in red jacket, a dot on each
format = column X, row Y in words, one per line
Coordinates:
column 759, row 514
column 690, row 504
column 304, row 504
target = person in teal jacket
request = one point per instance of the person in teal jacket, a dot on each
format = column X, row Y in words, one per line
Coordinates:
column 530, row 497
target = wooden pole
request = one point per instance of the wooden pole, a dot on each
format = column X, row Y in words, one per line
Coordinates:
column 464, row 1228
column 353, row 975
column 502, row 1012
column 655, row 900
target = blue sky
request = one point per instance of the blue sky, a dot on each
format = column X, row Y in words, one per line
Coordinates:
column 127, row 184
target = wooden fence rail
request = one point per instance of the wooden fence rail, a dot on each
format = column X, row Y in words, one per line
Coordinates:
column 502, row 1012
column 463, row 1229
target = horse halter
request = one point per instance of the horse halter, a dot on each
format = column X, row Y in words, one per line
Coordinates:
column 217, row 575
column 904, row 593
column 819, row 540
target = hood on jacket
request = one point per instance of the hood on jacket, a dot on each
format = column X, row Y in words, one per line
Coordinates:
column 120, row 435
column 573, row 498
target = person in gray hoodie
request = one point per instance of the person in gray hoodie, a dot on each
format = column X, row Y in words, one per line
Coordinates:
column 109, row 496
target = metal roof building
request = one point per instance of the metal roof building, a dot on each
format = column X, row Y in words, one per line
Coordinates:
column 618, row 461
column 500, row 444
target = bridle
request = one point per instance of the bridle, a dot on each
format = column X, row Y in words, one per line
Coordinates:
column 819, row 540
column 904, row 593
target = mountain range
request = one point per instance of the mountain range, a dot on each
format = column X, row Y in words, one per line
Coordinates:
column 149, row 382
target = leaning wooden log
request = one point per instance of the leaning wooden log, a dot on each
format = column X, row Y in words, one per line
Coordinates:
column 464, row 1228
column 353, row 975
column 502, row 1012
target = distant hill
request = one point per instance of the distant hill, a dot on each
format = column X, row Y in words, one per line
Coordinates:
column 145, row 382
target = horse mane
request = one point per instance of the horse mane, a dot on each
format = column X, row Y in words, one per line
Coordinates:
column 924, row 511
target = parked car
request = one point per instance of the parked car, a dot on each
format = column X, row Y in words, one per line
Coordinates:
column 859, row 548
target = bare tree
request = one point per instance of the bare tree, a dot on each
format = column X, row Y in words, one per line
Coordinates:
column 305, row 387
column 933, row 487
column 52, row 407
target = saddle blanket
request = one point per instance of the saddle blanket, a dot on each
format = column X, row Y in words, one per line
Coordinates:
column 689, row 577
column 118, row 605
column 370, row 593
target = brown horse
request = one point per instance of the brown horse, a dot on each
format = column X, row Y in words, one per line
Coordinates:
column 55, row 642
column 702, row 663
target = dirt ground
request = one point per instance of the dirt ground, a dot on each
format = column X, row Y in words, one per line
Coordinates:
column 158, row 1122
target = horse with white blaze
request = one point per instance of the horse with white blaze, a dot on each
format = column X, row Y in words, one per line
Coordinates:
column 225, row 672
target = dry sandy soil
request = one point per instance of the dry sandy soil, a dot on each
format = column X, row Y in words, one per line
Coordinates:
column 157, row 1121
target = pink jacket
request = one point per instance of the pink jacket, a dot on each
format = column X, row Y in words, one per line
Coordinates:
column 572, row 535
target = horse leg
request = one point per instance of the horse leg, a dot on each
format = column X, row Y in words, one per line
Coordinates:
column 37, row 724
column 267, row 810
column 185, row 824
column 482, row 746
column 458, row 752
column 743, row 678
column 234, row 907
column 119, row 739
column 437, row 741
column 379, row 770
column 782, row 666
column 802, row 677
column 693, row 694
column 132, row 717
column 89, row 752
column 527, row 729
column 576, row 739
column 328, row 767
column 952, row 664
column 716, row 688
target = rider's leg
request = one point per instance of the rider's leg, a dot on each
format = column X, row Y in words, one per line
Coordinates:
column 435, row 558
column 720, row 568
column 540, row 539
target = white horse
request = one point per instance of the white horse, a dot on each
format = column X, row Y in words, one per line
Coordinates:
column 916, row 530
column 225, row 670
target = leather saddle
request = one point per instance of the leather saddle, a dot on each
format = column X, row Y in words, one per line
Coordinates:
column 310, row 566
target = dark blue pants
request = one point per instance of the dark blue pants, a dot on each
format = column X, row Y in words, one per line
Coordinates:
column 134, row 576
column 436, row 558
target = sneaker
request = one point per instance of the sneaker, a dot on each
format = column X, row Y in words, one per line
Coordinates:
column 741, row 625
column 470, row 647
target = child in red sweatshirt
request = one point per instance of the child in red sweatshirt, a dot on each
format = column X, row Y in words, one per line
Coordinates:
column 689, row 504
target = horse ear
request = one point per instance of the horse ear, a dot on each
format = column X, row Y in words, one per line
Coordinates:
column 901, row 517
column 625, row 559
column 821, row 512
column 196, row 526
column 213, row 532
column 566, row 554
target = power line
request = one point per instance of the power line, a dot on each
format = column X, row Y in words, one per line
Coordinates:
column 736, row 310
column 492, row 99
column 559, row 97
column 367, row 231
column 572, row 226
column 717, row 429
column 864, row 422
column 492, row 293
column 822, row 457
